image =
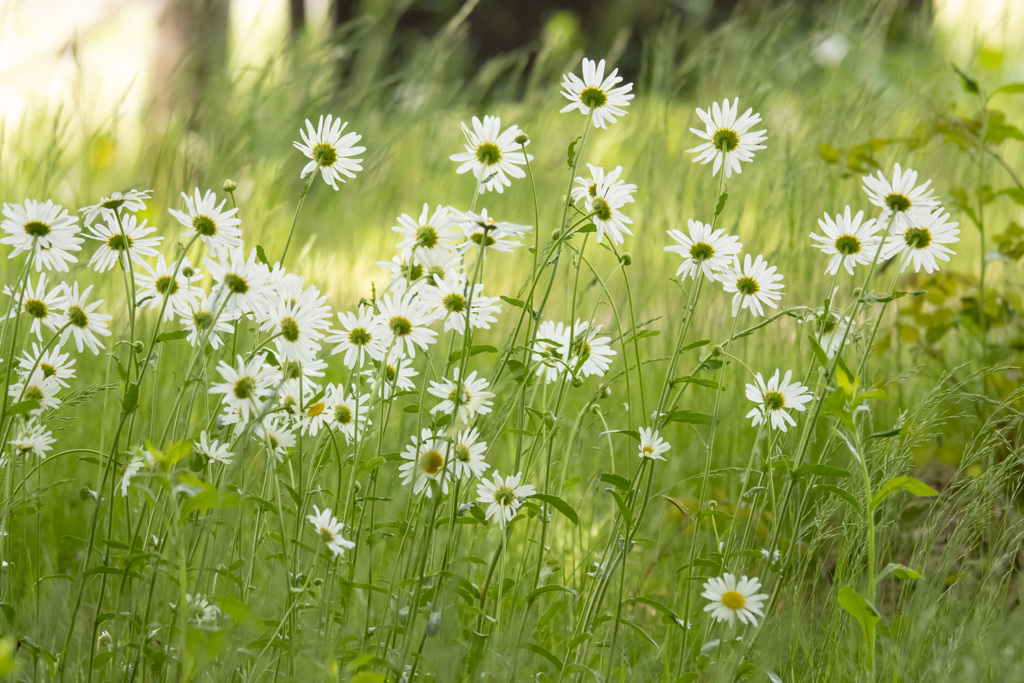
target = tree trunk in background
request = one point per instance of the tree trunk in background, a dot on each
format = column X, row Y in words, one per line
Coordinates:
column 191, row 51
column 296, row 18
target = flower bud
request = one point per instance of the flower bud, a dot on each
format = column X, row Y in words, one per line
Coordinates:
column 626, row 259
column 522, row 139
column 230, row 185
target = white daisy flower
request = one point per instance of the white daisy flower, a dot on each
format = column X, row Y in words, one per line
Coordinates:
column 425, row 460
column 45, row 229
column 900, row 200
column 405, row 324
column 833, row 333
column 333, row 153
column 292, row 395
column 297, row 319
column 202, row 321
column 32, row 438
column 468, row 455
column 41, row 306
column 604, row 195
column 82, row 320
column 37, row 387
column 218, row 229
column 443, row 265
column 703, row 250
column 597, row 96
column 241, row 280
column 551, row 350
column 487, row 233
column 181, row 289
column 393, row 375
column 921, row 240
column 139, row 462
column 449, row 300
column 430, row 234
column 491, row 154
column 503, row 496
column 591, row 354
column 754, row 284
column 275, row 434
column 652, row 445
column 245, row 386
column 774, row 398
column 346, row 413
column 212, row 449
column 132, row 200
column 200, row 610
column 133, row 243
column 849, row 241
column 731, row 599
column 468, row 397
column 361, row 337
column 329, row 529
column 52, row 363
column 729, row 139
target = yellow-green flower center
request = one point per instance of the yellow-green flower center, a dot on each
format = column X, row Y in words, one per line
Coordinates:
column 400, row 326
column 236, row 283
column 747, row 286
column 290, row 330
column 324, row 154
column 432, row 461
column 37, row 229
column 77, row 317
column 342, row 414
column 36, row 308
column 204, row 225
column 848, row 245
column 593, row 97
column 454, row 303
column 897, row 202
column 119, row 242
column 917, row 238
column 701, row 251
column 165, row 284
column 774, row 400
column 359, row 337
column 725, row 140
column 245, row 388
column 426, row 237
column 602, row 211
column 488, row 154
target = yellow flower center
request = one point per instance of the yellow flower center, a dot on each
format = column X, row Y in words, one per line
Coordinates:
column 733, row 599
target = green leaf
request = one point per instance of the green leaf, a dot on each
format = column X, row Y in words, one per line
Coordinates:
column 966, row 82
column 22, row 407
column 819, row 353
column 908, row 484
column 820, row 471
column 130, row 401
column 689, row 379
column 546, row 654
column 473, row 350
column 615, row 480
column 571, row 152
column 550, row 588
column 858, row 607
column 518, row 303
column 171, row 336
column 1010, row 89
column 843, row 495
column 261, row 255
column 900, row 571
column 721, row 203
column 560, row 505
column 689, row 417
column 696, row 344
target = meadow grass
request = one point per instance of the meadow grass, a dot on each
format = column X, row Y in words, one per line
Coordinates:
column 600, row 576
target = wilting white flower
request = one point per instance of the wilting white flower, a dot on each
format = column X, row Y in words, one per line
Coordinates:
column 604, row 195
column 487, row 233
column 132, row 200
column 52, row 363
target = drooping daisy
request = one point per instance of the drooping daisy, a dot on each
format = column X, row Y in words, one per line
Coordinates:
column 132, row 200
column 212, row 449
column 491, row 154
column 329, row 529
column 754, row 284
column 590, row 353
column 181, row 289
column 81, row 319
column 245, row 386
column 468, row 397
column 901, row 202
column 503, row 496
column 775, row 398
column 361, row 337
column 32, row 438
column 603, row 196
column 405, row 324
column 205, row 321
column 125, row 239
column 596, row 96
column 140, row 461
column 41, row 306
column 430, row 234
column 652, row 445
column 276, row 435
column 849, row 241
column 551, row 350
column 218, row 229
column 37, row 387
column 52, row 363
column 44, row 229
column 468, row 455
column 449, row 300
column 425, row 460
column 703, row 250
column 731, row 599
column 729, row 139
column 240, row 280
column 331, row 152
column 200, row 610
column 833, row 332
column 487, row 233
column 921, row 240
